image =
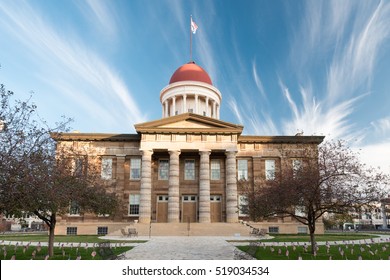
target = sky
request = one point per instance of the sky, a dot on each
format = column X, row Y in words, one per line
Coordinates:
column 321, row 67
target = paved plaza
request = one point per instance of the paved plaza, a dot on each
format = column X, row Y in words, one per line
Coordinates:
column 183, row 248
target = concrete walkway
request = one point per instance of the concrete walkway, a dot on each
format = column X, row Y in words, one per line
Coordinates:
column 183, row 248
column 210, row 247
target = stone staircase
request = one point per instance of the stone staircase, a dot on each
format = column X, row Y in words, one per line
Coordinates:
column 184, row 229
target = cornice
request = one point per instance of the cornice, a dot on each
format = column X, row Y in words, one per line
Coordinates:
column 61, row 136
column 281, row 139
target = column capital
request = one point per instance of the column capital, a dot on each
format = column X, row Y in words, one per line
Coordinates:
column 147, row 152
column 205, row 152
column 173, row 152
column 230, row 153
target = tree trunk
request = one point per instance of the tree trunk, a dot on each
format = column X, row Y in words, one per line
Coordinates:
column 312, row 229
column 312, row 240
column 52, row 227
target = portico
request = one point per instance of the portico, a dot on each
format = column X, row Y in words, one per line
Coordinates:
column 188, row 144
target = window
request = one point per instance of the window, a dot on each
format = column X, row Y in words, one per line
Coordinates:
column 270, row 169
column 135, row 168
column 102, row 230
column 273, row 229
column 215, row 169
column 189, row 198
column 242, row 169
column 242, row 205
column 302, row 230
column 71, row 231
column 189, row 169
column 163, row 198
column 163, row 169
column 77, row 166
column 74, row 208
column 106, row 171
column 134, row 204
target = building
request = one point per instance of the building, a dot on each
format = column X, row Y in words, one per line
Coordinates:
column 184, row 167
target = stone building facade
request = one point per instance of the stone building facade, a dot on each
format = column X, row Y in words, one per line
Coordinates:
column 184, row 167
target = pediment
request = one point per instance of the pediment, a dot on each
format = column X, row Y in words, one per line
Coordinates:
column 188, row 123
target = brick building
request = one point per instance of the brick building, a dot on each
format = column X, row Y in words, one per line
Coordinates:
column 184, row 167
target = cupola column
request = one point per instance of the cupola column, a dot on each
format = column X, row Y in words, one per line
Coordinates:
column 173, row 106
column 184, row 104
column 196, row 104
column 207, row 106
column 166, row 113
column 214, row 110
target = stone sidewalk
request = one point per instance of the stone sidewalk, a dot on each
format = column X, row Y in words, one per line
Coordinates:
column 183, row 248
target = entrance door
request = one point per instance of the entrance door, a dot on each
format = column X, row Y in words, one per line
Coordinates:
column 216, row 208
column 162, row 209
column 189, row 209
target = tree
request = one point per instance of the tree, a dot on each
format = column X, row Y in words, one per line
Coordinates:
column 330, row 180
column 38, row 177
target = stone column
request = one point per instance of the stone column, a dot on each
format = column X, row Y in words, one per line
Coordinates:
column 384, row 218
column 231, row 188
column 196, row 104
column 173, row 192
column 214, row 110
column 173, row 106
column 204, row 187
column 184, row 104
column 145, row 209
column 166, row 113
column 207, row 106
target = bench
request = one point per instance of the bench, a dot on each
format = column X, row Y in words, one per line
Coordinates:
column 124, row 233
column 132, row 232
column 258, row 231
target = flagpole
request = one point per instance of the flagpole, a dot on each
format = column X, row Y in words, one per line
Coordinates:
column 190, row 40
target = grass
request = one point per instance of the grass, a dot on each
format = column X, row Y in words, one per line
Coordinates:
column 306, row 237
column 24, row 252
column 318, row 237
column 74, row 246
column 378, row 251
column 59, row 238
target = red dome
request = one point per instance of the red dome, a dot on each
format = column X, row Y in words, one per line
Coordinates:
column 190, row 72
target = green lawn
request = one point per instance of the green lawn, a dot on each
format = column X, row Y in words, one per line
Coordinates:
column 306, row 237
column 23, row 252
column 61, row 238
column 379, row 251
column 79, row 247
column 319, row 237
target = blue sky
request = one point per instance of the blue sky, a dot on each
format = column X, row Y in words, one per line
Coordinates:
column 282, row 66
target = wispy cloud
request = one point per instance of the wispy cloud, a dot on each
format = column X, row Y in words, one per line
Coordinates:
column 256, row 78
column 351, row 34
column 382, row 127
column 100, row 12
column 86, row 71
